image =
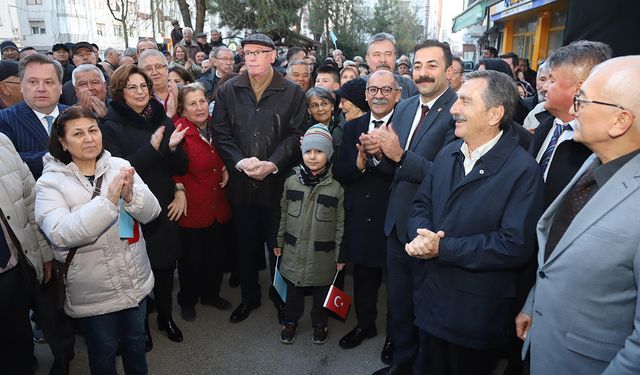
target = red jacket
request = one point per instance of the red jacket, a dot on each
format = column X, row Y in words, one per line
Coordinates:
column 206, row 201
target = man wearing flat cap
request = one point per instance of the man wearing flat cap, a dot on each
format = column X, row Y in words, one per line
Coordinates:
column 61, row 53
column 9, row 51
column 201, row 40
column 257, row 127
column 10, row 93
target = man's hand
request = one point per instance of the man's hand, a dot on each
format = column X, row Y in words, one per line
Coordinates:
column 426, row 245
column 371, row 144
column 98, row 106
column 248, row 164
column 277, row 251
column 361, row 159
column 523, row 322
column 47, row 270
column 340, row 266
column 389, row 142
column 261, row 171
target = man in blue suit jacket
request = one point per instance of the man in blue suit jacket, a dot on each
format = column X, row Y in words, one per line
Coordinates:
column 473, row 223
column 27, row 124
column 409, row 146
column 583, row 314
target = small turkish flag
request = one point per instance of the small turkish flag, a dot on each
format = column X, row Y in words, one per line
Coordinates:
column 337, row 301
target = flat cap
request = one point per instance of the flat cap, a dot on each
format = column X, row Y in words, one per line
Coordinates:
column 59, row 46
column 201, row 35
column 79, row 45
column 259, row 39
column 8, row 68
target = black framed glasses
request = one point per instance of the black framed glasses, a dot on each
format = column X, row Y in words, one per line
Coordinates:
column 256, row 53
column 386, row 90
column 578, row 101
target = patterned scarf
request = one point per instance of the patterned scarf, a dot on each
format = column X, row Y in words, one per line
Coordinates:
column 307, row 178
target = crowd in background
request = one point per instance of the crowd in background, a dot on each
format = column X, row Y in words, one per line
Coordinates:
column 483, row 198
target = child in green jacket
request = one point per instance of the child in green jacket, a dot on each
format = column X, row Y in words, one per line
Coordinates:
column 310, row 232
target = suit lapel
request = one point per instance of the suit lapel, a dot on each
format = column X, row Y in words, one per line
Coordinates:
column 616, row 190
column 540, row 135
column 32, row 124
column 405, row 119
column 438, row 107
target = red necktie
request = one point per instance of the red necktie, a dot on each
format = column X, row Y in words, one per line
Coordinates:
column 425, row 109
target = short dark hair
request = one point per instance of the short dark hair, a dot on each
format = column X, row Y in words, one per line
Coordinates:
column 183, row 73
column 58, row 128
column 459, row 60
column 119, row 79
column 428, row 43
column 492, row 51
column 511, row 55
column 501, row 90
column 329, row 69
column 294, row 50
column 42, row 60
column 582, row 55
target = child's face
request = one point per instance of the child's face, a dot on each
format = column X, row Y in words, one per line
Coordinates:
column 315, row 160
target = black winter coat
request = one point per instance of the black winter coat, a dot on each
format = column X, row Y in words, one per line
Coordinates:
column 127, row 134
column 269, row 129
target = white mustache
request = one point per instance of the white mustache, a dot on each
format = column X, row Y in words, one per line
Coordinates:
column 459, row 118
column 379, row 101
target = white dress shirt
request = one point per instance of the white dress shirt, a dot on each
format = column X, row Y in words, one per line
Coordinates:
column 566, row 135
column 470, row 158
column 417, row 116
column 43, row 121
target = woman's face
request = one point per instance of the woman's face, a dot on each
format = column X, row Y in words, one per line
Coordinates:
column 347, row 76
column 175, row 78
column 350, row 110
column 82, row 139
column 196, row 108
column 320, row 109
column 136, row 92
column 180, row 55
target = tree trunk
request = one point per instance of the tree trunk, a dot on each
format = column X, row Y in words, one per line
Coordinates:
column 201, row 12
column 186, row 13
column 125, row 34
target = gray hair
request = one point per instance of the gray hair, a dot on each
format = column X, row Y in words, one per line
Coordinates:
column 42, row 60
column 149, row 53
column 83, row 69
column 187, row 30
column 110, row 50
column 130, row 52
column 582, row 56
column 298, row 62
column 543, row 68
column 320, row 92
column 217, row 50
column 379, row 37
column 501, row 90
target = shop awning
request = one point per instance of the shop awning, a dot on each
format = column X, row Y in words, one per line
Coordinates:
column 471, row 16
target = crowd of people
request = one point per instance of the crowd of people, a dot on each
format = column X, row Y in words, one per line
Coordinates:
column 495, row 203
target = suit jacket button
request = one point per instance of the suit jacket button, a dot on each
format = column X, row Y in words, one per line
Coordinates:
column 368, row 220
column 542, row 274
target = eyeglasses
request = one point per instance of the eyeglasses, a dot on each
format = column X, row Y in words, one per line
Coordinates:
column 134, row 88
column 151, row 68
column 386, row 90
column 227, row 60
column 316, row 106
column 577, row 101
column 256, row 53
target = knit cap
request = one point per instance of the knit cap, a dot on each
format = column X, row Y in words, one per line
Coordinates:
column 318, row 137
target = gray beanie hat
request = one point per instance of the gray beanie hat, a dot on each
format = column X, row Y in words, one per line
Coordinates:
column 318, row 137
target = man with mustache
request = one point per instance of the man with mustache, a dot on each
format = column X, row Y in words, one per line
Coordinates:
column 473, row 226
column 381, row 55
column 422, row 125
column 366, row 183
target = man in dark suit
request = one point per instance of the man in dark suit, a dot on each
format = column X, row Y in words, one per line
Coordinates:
column 28, row 123
column 473, row 223
column 422, row 125
column 366, row 183
column 222, row 65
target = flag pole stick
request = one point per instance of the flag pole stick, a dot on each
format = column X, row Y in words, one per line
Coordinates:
column 335, row 277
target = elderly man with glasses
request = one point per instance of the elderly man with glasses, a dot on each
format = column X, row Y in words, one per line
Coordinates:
column 256, row 128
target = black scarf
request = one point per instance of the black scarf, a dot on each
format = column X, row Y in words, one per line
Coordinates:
column 307, row 178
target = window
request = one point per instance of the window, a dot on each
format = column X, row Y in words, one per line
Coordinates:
column 524, row 37
column 100, row 29
column 556, row 32
column 37, row 27
column 117, row 30
column 34, row 2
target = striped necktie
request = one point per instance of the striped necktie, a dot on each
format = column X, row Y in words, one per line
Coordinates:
column 546, row 156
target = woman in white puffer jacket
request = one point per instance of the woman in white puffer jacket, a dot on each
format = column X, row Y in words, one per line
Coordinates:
column 109, row 276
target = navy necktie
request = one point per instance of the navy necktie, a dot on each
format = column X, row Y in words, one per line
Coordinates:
column 377, row 123
column 546, row 156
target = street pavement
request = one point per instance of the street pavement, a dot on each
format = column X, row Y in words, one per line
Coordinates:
column 212, row 345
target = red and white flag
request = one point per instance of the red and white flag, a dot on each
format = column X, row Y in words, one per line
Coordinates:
column 337, row 301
